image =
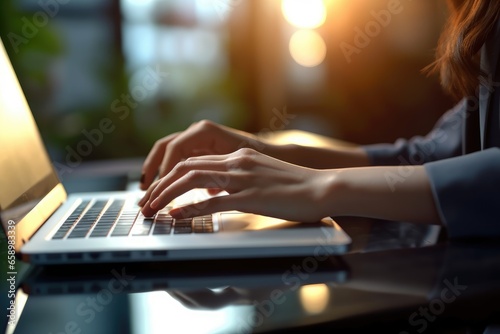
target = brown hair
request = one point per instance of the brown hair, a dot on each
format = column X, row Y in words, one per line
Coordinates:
column 457, row 55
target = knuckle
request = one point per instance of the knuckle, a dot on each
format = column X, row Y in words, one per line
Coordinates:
column 245, row 151
column 193, row 175
column 244, row 161
column 205, row 124
column 189, row 161
column 182, row 166
column 174, row 143
column 192, row 125
column 174, row 149
column 178, row 168
column 160, row 143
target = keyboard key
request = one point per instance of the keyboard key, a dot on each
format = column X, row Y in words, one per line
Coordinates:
column 121, row 231
column 116, row 222
column 203, row 224
column 107, row 220
column 78, row 234
column 125, row 222
column 83, row 226
column 182, row 230
column 97, row 234
column 162, row 229
column 71, row 220
column 142, row 226
column 163, row 224
column 183, row 226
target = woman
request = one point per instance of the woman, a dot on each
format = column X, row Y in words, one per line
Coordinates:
column 449, row 177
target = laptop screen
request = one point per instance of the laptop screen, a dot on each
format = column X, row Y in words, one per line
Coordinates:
column 26, row 173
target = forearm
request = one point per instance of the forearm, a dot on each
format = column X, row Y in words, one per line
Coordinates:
column 382, row 192
column 319, row 157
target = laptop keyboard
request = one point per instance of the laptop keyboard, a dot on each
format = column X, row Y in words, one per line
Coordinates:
column 116, row 218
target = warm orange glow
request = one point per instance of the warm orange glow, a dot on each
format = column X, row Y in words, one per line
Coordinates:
column 304, row 13
column 314, row 298
column 308, row 48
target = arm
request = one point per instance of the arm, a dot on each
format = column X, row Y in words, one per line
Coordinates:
column 444, row 141
column 372, row 192
column 208, row 138
column 465, row 188
column 258, row 183
column 401, row 192
column 320, row 157
column 460, row 192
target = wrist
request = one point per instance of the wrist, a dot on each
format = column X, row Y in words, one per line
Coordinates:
column 329, row 192
column 280, row 152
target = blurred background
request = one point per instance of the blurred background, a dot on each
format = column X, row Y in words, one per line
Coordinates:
column 119, row 74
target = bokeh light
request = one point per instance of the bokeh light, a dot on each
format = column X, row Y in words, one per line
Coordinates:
column 314, row 298
column 307, row 14
column 308, row 48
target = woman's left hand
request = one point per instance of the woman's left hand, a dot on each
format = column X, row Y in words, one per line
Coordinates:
column 254, row 182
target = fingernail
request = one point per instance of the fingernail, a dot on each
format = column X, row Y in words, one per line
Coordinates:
column 154, row 204
column 176, row 213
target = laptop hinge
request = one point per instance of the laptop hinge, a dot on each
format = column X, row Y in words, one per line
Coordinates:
column 28, row 226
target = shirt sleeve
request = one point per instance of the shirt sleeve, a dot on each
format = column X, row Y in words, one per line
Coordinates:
column 466, row 190
column 444, row 141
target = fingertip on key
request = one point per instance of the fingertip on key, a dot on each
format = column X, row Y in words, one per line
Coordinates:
column 154, row 204
column 176, row 213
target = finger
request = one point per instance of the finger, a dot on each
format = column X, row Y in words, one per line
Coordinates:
column 214, row 191
column 153, row 160
column 192, row 165
column 206, row 163
column 178, row 150
column 198, row 139
column 147, row 195
column 208, row 157
column 167, row 191
column 210, row 206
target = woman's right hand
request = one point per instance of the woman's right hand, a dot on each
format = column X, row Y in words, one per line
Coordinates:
column 201, row 138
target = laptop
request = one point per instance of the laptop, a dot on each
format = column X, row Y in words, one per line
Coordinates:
column 45, row 226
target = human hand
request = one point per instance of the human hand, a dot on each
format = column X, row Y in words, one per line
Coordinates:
column 254, row 182
column 201, row 138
